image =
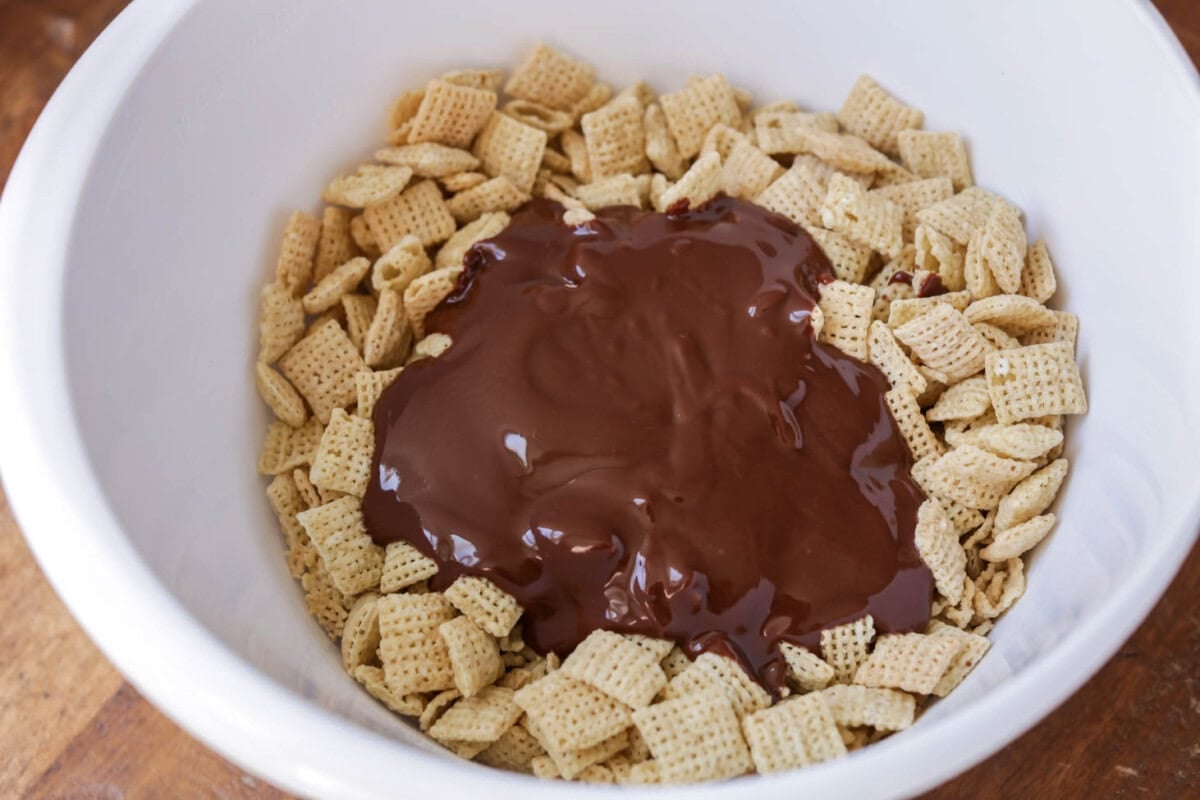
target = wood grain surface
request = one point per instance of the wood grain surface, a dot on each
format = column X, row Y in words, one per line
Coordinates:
column 71, row 727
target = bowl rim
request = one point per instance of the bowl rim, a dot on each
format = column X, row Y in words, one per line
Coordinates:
column 200, row 683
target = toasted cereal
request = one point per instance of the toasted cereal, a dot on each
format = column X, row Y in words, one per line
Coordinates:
column 1014, row 313
column 456, row 247
column 1034, row 381
column 389, row 335
column 971, row 648
column 1023, row 440
column 657, row 648
column 369, row 386
column 424, row 294
column 293, row 269
column 551, row 120
column 847, row 316
column 691, row 111
column 699, row 184
column 461, row 181
column 286, row 501
column 1064, row 328
column 341, row 281
column 617, row 666
column 695, row 738
column 429, row 159
column 430, row 346
column 1003, row 589
column 883, row 709
column 474, row 656
column 360, row 232
column 401, row 265
column 893, row 362
column 916, row 431
column 286, row 448
column 782, row 131
column 570, row 763
column 571, row 714
column 281, row 322
column 551, row 78
column 797, row 194
column 960, row 216
column 870, row 112
column 615, row 138
column 710, row 671
column 848, row 259
column 575, row 147
column 418, row 210
column 343, row 458
column 489, row 79
column 844, row 152
column 308, row 492
column 845, row 647
column 491, row 607
column 661, row 149
column 867, row 219
column 964, row 400
column 511, row 149
column 451, row 114
column 675, row 662
column 942, row 338
column 404, row 108
column 404, row 566
column 720, row 139
column 358, row 310
column 938, row 253
column 336, row 529
column 794, row 733
column 978, row 278
column 913, row 196
column 336, row 245
column 514, row 751
column 1037, row 280
column 644, row 773
column 414, row 657
column 930, row 155
column 748, row 171
column 913, row 662
column 805, row 670
column 371, row 678
column 323, row 601
column 996, row 337
column 975, row 477
column 498, row 194
column 938, row 545
column 1017, row 540
column 284, row 401
column 360, row 635
column 1031, row 496
column 907, row 309
column 369, row 185
column 1003, row 245
column 436, row 706
column 616, row 190
column 544, row 767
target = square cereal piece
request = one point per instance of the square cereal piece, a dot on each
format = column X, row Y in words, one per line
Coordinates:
column 806, row 670
column 658, row 648
column 489, row 79
column 286, row 501
column 575, row 147
column 280, row 322
column 661, row 149
column 404, row 108
column 570, row 763
column 513, row 751
column 1037, row 280
column 330, row 290
column 372, row 680
column 971, row 649
column 324, row 602
column 401, row 265
column 675, row 662
column 964, row 400
column 979, row 279
column 870, row 112
column 294, row 267
column 1003, row 245
column 1022, row 440
column 937, row 252
column 793, row 733
column 975, row 477
column 343, row 458
column 942, row 338
column 691, row 111
column 863, row 217
column 369, row 386
column 436, row 706
column 461, row 181
column 908, row 309
column 843, row 151
column 1016, row 541
column 845, row 647
column 747, row 171
column 286, row 448
column 710, row 671
column 885, row 353
column 551, row 120
column 997, row 337
column 429, row 159
column 1064, row 328
column 601, row 93
column 369, row 185
column 931, row 154
column 414, row 657
column 695, row 738
column 617, row 666
column 916, row 431
column 492, row 608
column 450, row 114
column 336, row 529
column 498, row 194
column 336, row 245
column 322, row 367
column 475, row 658
column 284, row 401
column 961, row 216
column 404, row 566
column 698, row 185
column 510, row 149
column 847, row 312
column 570, row 714
column 913, row 662
column 720, row 139
column 881, row 709
column 419, row 210
column 914, row 196
column 389, row 336
column 849, row 260
column 938, row 546
column 455, row 249
column 616, row 190
column 360, row 634
column 615, row 138
column 780, row 131
column 797, row 194
column 1031, row 496
column 1014, row 313
column 426, row 292
column 1034, row 381
column 551, row 78
column 359, row 310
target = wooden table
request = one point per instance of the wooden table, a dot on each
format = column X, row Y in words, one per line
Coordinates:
column 70, row 726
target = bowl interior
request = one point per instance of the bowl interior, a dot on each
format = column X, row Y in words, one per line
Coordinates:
column 250, row 106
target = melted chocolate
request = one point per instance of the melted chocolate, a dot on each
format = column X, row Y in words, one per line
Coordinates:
column 634, row 429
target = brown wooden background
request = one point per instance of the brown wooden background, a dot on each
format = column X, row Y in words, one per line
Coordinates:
column 71, row 727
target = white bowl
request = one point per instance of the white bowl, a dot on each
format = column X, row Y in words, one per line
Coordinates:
column 144, row 213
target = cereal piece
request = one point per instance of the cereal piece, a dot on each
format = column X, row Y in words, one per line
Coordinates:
column 322, row 366
column 556, row 162
column 916, row 431
column 400, row 136
column 996, row 337
column 661, row 149
column 336, row 529
column 450, row 114
column 551, row 120
column 431, row 346
column 498, row 194
column 848, row 259
column 939, row 548
column 963, row 400
column 323, row 601
column 1012, row 312
column 942, row 338
column 1023, row 440
column 1037, row 280
column 978, row 278
column 615, row 138
column 795, row 733
column 429, row 159
column 797, row 194
column 931, row 154
column 363, row 238
column 545, row 768
column 575, row 147
column 868, row 219
column 939, row 253
column 617, row 190
column 461, row 181
column 913, row 196
column 475, row 657
column 748, row 171
column 1034, row 381
column 601, row 93
column 287, row 501
column 975, row 477
column 284, row 402
column 368, row 386
column 596, row 773
column 372, row 680
column 308, row 492
column 844, row 152
column 359, row 310
column 341, row 281
column 1031, row 496
column 570, row 714
column 699, row 184
column 293, row 269
column 489, row 79
column 618, row 667
column 492, row 608
column 404, row 566
column 806, row 670
column 695, row 738
column 960, row 216
column 389, row 335
column 691, row 111
column 907, row 309
column 343, row 458
column 658, row 648
column 644, row 773
column 892, row 361
column 675, row 662
column 1003, row 589
column 369, row 185
column 569, row 763
column 772, row 107
column 281, row 322
column 1064, row 328
column 414, row 657
column 845, row 647
column 847, row 313
column 883, row 709
column 437, row 706
column 404, row 108
column 870, row 112
column 456, row 247
column 335, row 246
column 551, row 78
column 424, row 294
column 782, row 131
column 418, row 210
column 971, row 648
column 515, row 751
column 360, row 635
column 710, row 671
column 510, row 149
column 913, row 662
column 1003, row 245
column 720, row 139
column 401, row 265
column 1019, row 539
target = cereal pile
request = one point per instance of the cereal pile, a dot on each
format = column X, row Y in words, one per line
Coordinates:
column 937, row 286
